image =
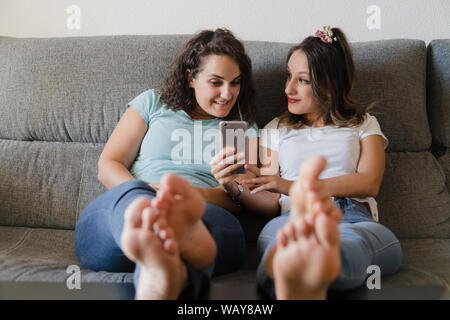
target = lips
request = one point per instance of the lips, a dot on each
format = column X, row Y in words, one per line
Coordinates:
column 291, row 100
column 222, row 104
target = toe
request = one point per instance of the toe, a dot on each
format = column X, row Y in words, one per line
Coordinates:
column 326, row 230
column 302, row 228
column 160, row 225
column 282, row 238
column 170, row 245
column 133, row 212
column 176, row 184
column 312, row 167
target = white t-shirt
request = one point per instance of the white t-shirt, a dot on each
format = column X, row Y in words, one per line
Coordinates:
column 340, row 146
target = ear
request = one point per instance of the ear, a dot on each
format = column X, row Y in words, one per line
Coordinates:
column 189, row 78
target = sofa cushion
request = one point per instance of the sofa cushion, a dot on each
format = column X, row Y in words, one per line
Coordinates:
column 445, row 164
column 413, row 200
column 34, row 255
column 438, row 91
column 46, row 184
column 75, row 89
column 425, row 262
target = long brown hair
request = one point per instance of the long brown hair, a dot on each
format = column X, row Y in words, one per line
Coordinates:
column 175, row 90
column 332, row 74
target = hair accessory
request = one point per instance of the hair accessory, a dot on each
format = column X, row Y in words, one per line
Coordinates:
column 326, row 35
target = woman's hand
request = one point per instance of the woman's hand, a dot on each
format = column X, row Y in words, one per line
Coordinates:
column 223, row 164
column 272, row 183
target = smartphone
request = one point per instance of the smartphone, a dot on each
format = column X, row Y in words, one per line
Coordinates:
column 234, row 134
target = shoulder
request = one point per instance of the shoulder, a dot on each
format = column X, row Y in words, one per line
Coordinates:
column 148, row 103
column 272, row 124
column 370, row 126
column 149, row 96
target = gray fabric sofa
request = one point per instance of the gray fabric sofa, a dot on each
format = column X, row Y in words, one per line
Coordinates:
column 60, row 99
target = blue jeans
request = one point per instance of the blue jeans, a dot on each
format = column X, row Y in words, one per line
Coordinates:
column 363, row 242
column 99, row 228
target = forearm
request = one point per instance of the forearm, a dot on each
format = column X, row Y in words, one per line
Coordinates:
column 263, row 203
column 220, row 198
column 113, row 173
column 351, row 185
column 285, row 186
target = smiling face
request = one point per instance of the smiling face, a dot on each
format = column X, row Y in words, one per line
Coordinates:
column 298, row 89
column 216, row 87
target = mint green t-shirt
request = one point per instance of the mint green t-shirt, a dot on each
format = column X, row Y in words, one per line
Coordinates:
column 176, row 143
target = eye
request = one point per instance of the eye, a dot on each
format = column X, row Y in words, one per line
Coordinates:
column 304, row 81
column 215, row 83
column 236, row 83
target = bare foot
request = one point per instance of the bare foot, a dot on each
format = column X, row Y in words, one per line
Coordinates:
column 149, row 241
column 307, row 259
column 184, row 206
column 309, row 195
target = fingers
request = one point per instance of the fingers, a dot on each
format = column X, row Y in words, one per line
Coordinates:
column 227, row 171
column 257, row 180
column 225, row 152
column 225, row 163
column 253, row 169
column 267, row 186
column 228, row 179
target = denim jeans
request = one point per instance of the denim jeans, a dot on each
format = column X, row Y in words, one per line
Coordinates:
column 363, row 242
column 99, row 228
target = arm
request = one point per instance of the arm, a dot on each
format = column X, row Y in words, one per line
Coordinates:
column 121, row 149
column 264, row 203
column 367, row 180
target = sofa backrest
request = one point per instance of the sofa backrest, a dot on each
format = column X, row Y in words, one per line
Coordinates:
column 60, row 99
column 438, row 100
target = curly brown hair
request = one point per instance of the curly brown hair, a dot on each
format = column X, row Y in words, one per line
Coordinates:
column 175, row 90
column 332, row 70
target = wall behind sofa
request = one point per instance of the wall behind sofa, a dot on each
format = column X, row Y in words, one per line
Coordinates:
column 269, row 20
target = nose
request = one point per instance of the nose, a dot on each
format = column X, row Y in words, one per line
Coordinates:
column 226, row 93
column 290, row 88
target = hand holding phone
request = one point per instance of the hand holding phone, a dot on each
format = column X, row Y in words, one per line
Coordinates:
column 234, row 134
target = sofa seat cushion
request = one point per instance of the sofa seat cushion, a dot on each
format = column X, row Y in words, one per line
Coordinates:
column 35, row 255
column 425, row 262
